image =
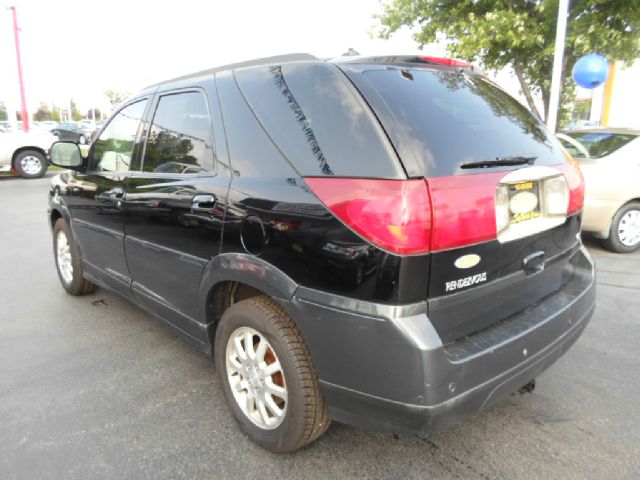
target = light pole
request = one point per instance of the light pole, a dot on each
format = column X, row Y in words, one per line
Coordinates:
column 558, row 56
column 23, row 98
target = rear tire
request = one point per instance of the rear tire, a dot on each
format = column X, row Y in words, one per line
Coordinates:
column 304, row 414
column 30, row 164
column 68, row 260
column 624, row 234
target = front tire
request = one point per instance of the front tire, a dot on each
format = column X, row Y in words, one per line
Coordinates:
column 30, row 164
column 68, row 260
column 267, row 376
column 624, row 235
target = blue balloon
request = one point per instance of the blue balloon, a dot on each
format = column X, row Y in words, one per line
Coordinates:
column 591, row 71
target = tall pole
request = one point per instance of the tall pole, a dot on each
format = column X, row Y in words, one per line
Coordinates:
column 23, row 98
column 558, row 57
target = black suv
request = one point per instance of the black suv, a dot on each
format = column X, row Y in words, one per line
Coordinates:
column 390, row 242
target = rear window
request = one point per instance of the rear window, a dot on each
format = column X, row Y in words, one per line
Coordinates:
column 439, row 120
column 597, row 144
column 318, row 120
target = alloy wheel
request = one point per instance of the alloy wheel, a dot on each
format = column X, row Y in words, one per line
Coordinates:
column 63, row 257
column 256, row 378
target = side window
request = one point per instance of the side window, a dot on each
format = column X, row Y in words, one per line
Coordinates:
column 319, row 122
column 252, row 152
column 179, row 138
column 113, row 150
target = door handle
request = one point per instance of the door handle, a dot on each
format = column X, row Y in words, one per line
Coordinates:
column 113, row 197
column 203, row 203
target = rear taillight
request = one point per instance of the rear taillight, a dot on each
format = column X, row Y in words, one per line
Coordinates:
column 575, row 182
column 464, row 211
column 400, row 216
column 393, row 214
column 420, row 216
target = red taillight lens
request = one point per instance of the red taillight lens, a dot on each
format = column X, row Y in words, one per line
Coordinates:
column 464, row 209
column 420, row 216
column 575, row 182
column 393, row 214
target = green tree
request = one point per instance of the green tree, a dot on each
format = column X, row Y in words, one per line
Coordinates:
column 55, row 113
column 116, row 97
column 3, row 112
column 520, row 34
column 75, row 113
column 43, row 113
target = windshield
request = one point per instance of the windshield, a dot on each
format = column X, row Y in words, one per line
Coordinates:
column 597, row 144
column 448, row 120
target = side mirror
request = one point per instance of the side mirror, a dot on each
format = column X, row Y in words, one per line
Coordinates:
column 67, row 155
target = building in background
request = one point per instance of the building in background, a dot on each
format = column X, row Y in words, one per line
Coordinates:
column 614, row 104
column 621, row 99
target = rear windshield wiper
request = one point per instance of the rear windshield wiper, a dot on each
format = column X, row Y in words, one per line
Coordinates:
column 502, row 161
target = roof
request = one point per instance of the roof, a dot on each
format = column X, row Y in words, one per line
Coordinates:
column 398, row 60
column 290, row 57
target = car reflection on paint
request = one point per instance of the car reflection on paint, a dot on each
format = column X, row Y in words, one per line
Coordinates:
column 291, row 226
column 68, row 184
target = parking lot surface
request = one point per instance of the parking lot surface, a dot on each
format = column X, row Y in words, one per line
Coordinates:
column 93, row 387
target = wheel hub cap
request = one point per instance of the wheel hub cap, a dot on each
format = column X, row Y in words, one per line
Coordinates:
column 629, row 228
column 256, row 378
column 31, row 165
column 63, row 257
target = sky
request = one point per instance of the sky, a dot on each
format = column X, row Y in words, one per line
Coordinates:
column 79, row 49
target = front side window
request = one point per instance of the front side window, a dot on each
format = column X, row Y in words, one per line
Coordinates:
column 180, row 136
column 113, row 150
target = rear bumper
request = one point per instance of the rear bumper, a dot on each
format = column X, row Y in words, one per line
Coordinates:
column 385, row 368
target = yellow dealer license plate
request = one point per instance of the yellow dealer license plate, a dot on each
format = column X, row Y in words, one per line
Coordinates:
column 524, row 201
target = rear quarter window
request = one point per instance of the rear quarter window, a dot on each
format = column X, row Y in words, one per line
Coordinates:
column 319, row 121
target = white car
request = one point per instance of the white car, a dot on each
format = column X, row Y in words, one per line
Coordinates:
column 26, row 153
column 610, row 162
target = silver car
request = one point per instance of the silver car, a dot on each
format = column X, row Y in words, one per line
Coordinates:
column 610, row 162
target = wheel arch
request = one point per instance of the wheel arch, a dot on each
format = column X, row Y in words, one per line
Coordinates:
column 605, row 234
column 232, row 277
column 54, row 216
column 18, row 151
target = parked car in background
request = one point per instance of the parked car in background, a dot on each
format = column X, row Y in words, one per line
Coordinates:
column 24, row 152
column 74, row 132
column 610, row 162
column 48, row 124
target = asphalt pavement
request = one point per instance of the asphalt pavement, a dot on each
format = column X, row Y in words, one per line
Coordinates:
column 93, row 387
